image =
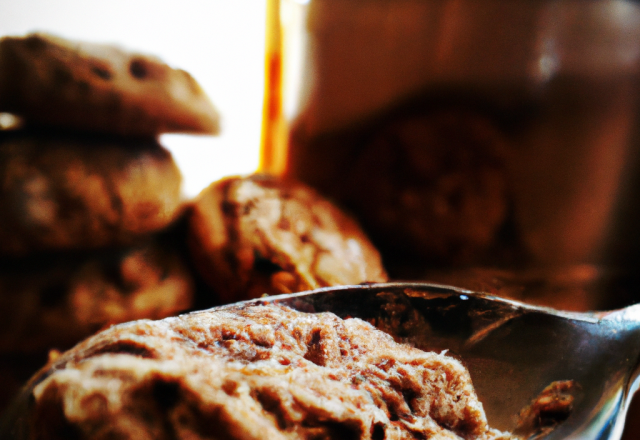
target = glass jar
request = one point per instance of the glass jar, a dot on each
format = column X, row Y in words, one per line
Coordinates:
column 499, row 134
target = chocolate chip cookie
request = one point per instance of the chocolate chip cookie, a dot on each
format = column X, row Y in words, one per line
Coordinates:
column 82, row 86
column 258, row 234
column 428, row 185
column 63, row 191
column 54, row 301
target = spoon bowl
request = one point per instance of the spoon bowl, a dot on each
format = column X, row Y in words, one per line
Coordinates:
column 512, row 350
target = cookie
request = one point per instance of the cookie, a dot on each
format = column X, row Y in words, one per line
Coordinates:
column 258, row 234
column 56, row 82
column 429, row 186
column 253, row 372
column 55, row 301
column 81, row 192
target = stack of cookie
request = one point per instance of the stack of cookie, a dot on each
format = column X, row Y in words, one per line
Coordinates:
column 86, row 191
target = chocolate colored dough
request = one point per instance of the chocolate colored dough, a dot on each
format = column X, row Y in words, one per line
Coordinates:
column 253, row 372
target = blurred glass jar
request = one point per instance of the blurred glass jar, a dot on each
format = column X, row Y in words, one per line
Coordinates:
column 496, row 133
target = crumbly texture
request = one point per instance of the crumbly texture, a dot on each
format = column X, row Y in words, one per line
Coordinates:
column 61, row 191
column 55, row 301
column 258, row 234
column 547, row 410
column 56, row 82
column 254, row 372
column 430, row 185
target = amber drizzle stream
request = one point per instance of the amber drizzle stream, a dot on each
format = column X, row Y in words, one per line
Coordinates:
column 273, row 154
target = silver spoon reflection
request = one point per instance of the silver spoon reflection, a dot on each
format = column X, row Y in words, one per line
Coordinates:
column 513, row 351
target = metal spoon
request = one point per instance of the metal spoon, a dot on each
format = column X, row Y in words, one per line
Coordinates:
column 513, row 351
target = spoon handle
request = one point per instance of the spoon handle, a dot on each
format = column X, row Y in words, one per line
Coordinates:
column 625, row 321
column 630, row 316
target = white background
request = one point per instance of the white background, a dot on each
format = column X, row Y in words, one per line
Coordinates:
column 220, row 42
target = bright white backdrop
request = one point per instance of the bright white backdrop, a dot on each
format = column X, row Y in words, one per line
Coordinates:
column 220, row 42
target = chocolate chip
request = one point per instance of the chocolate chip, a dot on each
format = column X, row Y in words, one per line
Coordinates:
column 138, row 68
column 102, row 72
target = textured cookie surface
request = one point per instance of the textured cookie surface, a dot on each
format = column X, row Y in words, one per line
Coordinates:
column 431, row 185
column 63, row 192
column 258, row 235
column 254, row 372
column 55, row 301
column 56, row 82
